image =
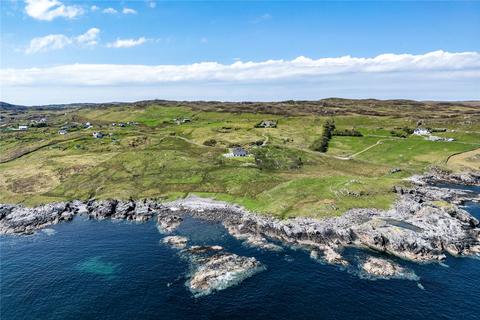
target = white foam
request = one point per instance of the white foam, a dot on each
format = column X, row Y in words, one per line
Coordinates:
column 49, row 231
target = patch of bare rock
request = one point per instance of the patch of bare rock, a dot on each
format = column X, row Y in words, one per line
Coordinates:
column 330, row 256
column 167, row 223
column 382, row 268
column 177, row 242
column 213, row 269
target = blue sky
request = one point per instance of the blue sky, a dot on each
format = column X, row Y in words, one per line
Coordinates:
column 53, row 34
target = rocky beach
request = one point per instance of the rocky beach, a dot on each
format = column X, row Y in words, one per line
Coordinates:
column 425, row 224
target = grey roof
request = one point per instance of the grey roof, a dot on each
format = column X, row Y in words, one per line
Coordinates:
column 239, row 152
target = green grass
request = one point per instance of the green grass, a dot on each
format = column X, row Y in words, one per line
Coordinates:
column 159, row 159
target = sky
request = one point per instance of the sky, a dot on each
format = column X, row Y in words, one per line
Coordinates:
column 59, row 51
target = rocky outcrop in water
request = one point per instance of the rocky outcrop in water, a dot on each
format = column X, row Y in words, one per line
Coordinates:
column 213, row 269
column 177, row 242
column 383, row 268
column 168, row 223
column 330, row 256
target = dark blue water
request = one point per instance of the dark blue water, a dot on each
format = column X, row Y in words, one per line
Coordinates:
column 118, row 270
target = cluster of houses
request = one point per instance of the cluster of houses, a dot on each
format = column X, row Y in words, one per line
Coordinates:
column 428, row 135
column 124, row 124
column 64, row 130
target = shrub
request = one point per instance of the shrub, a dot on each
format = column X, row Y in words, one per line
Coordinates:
column 348, row 132
column 210, row 142
column 398, row 134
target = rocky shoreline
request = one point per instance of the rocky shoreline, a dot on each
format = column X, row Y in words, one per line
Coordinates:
column 424, row 225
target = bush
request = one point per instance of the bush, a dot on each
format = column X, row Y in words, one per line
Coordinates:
column 398, row 134
column 210, row 142
column 348, row 132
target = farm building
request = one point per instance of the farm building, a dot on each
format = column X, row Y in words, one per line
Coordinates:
column 98, row 135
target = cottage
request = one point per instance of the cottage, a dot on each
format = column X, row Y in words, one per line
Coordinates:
column 267, row 124
column 22, row 128
column 421, row 132
column 239, row 152
column 98, row 135
column 62, row 131
column 87, row 125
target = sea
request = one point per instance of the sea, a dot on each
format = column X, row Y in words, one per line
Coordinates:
column 88, row 269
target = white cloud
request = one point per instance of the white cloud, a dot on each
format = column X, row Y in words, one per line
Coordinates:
column 110, row 11
column 128, row 11
column 60, row 41
column 126, row 43
column 89, row 38
column 48, row 43
column 465, row 64
column 48, row 10
column 152, row 4
column 94, row 8
column 434, row 75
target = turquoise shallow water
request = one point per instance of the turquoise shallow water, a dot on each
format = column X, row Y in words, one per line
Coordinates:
column 117, row 270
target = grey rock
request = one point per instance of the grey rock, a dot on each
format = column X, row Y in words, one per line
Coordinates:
column 177, row 242
column 213, row 269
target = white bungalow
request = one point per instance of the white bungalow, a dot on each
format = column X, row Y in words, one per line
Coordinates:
column 421, row 132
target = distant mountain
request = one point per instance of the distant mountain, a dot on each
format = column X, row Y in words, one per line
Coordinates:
column 9, row 106
column 306, row 105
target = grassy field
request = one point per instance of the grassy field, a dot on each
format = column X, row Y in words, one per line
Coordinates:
column 158, row 158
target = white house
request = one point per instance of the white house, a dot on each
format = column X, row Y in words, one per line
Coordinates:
column 98, row 135
column 421, row 132
column 22, row 128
